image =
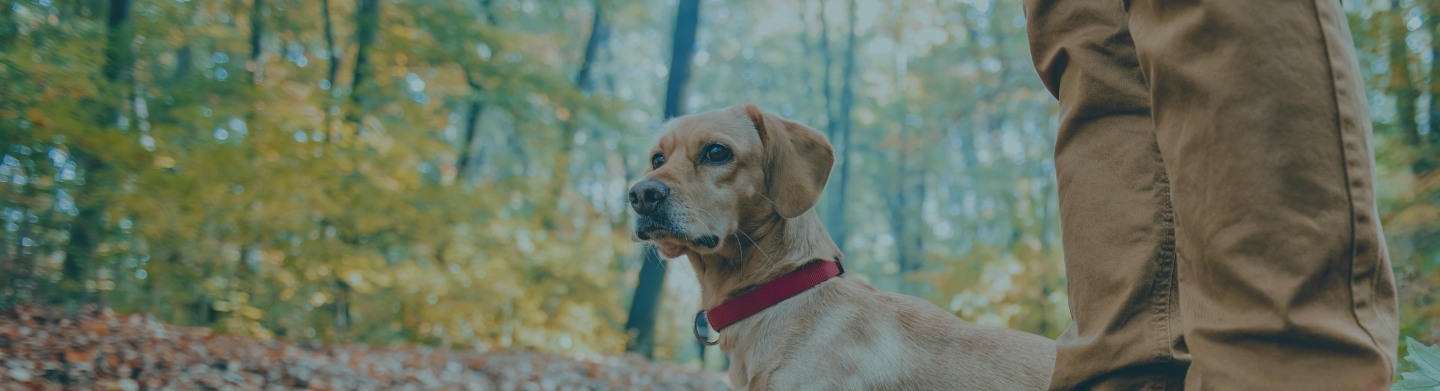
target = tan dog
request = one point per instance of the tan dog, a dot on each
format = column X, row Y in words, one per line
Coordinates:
column 733, row 190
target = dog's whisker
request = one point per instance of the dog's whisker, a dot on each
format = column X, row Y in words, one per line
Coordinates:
column 767, row 256
column 767, row 198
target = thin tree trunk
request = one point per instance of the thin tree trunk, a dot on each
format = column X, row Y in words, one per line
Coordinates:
column 330, row 50
column 333, row 72
column 682, row 52
column 184, row 62
column 599, row 32
column 257, row 32
column 561, row 176
column 828, row 58
column 86, row 229
column 902, row 217
column 469, row 150
column 807, row 51
column 9, row 27
column 1401, row 83
column 1430, row 161
column 367, row 19
column 489, row 13
column 21, row 271
column 342, row 309
column 13, row 271
column 645, row 305
column 847, row 102
column 831, row 200
column 118, row 56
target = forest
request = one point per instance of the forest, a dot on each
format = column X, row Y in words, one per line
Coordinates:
column 451, row 173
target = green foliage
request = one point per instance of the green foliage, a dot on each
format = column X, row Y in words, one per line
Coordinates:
column 1395, row 42
column 1426, row 361
column 231, row 194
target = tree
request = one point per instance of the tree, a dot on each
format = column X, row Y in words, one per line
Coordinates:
column 332, row 69
column 645, row 304
column 86, row 230
column 1401, row 83
column 560, row 180
column 367, row 22
column 474, row 109
column 840, row 231
column 907, row 192
column 257, row 33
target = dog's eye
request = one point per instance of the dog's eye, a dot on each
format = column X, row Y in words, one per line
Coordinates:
column 657, row 161
column 716, row 153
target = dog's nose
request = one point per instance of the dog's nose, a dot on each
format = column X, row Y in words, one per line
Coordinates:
column 647, row 195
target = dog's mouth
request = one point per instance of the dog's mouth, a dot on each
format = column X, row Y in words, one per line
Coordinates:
column 662, row 232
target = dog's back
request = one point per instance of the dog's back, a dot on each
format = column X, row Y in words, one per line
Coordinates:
column 844, row 334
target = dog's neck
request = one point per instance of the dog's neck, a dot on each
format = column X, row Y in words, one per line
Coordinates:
column 745, row 261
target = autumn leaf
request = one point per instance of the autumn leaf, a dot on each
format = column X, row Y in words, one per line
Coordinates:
column 1426, row 376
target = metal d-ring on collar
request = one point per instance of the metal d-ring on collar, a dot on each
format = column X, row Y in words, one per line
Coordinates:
column 702, row 321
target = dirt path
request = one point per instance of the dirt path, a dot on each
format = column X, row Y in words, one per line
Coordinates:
column 42, row 350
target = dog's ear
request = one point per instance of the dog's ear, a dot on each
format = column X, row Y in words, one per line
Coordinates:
column 797, row 162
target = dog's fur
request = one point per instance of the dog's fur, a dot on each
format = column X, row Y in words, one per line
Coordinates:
column 750, row 220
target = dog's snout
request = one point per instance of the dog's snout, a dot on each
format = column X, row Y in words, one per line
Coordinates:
column 647, row 195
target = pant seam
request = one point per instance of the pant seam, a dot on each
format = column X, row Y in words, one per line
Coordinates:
column 1165, row 257
column 1349, row 190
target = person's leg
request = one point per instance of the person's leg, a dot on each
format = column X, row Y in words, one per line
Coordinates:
column 1262, row 124
column 1114, row 203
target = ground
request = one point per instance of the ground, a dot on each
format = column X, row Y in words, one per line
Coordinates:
column 44, row 349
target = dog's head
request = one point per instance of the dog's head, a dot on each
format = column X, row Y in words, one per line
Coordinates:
column 725, row 173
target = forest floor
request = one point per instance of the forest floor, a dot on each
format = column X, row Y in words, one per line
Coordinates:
column 43, row 349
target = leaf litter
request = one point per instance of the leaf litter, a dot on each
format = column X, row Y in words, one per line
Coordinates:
column 47, row 349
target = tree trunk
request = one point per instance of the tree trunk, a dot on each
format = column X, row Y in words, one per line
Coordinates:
column 469, row 151
column 332, row 72
column 682, row 51
column 9, row 27
column 257, row 31
column 599, row 32
column 1401, row 83
column 342, row 309
column 367, row 19
column 1430, row 161
column 828, row 59
column 561, row 177
column 119, row 33
column 86, row 229
column 839, row 230
column 645, row 305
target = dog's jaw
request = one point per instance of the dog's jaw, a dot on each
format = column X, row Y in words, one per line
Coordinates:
column 753, row 257
column 673, row 244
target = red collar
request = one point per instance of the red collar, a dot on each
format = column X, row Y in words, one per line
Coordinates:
column 766, row 295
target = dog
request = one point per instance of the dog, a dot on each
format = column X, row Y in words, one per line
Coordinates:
column 733, row 190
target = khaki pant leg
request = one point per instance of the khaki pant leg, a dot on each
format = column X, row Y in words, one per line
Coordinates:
column 1114, row 203
column 1261, row 120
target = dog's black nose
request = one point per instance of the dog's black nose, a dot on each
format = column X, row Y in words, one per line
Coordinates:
column 647, row 195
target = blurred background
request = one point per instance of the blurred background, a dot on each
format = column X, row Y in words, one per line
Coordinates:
column 452, row 172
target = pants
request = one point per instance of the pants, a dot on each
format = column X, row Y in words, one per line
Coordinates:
column 1216, row 194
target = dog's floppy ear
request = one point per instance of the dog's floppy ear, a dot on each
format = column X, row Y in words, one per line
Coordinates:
column 797, row 162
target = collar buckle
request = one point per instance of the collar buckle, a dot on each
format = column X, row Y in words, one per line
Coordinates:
column 702, row 330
